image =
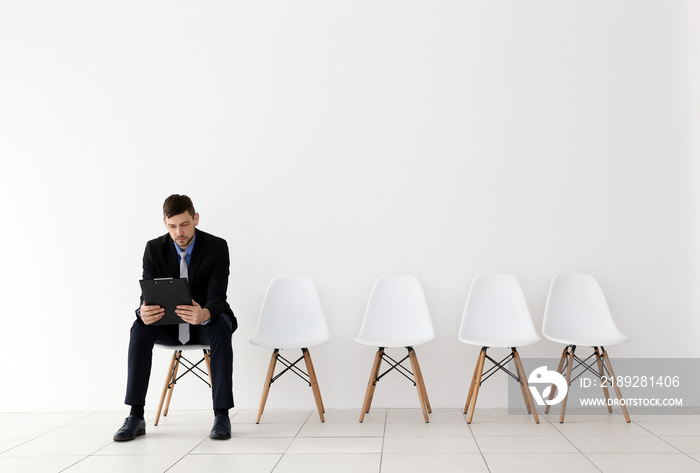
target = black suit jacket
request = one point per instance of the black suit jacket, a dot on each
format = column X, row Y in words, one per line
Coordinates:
column 207, row 272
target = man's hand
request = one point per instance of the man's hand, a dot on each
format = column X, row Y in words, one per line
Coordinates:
column 151, row 313
column 192, row 314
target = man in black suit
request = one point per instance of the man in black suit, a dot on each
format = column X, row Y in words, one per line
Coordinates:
column 209, row 320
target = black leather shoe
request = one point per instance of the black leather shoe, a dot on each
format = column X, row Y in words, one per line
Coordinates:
column 132, row 428
column 222, row 428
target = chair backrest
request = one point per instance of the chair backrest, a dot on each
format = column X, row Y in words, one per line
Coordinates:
column 577, row 313
column 397, row 314
column 496, row 313
column 291, row 315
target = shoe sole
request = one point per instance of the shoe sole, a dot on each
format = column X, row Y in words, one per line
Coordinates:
column 126, row 439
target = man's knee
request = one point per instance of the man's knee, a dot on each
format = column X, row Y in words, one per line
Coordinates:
column 219, row 333
column 220, row 327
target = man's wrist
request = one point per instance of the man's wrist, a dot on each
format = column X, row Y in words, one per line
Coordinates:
column 207, row 317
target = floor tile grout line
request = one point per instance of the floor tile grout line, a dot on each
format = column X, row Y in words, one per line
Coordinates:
column 25, row 441
column 296, row 435
column 10, row 415
column 579, row 450
column 469, row 426
column 84, row 457
column 639, row 425
column 189, row 453
column 73, row 464
column 87, row 414
column 680, row 453
column 665, row 441
column 381, row 455
column 175, row 463
column 586, row 455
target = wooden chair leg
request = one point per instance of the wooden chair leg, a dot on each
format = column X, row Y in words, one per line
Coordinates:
column 527, row 395
column 602, row 374
column 419, row 385
column 615, row 386
column 518, row 370
column 419, row 372
column 172, row 382
column 471, row 385
column 268, row 383
column 477, row 383
column 314, row 383
column 552, row 389
column 568, row 382
column 372, row 383
column 207, row 360
column 165, row 388
column 312, row 373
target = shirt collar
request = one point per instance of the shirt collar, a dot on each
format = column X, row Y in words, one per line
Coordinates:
column 179, row 250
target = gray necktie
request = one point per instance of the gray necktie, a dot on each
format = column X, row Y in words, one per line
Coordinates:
column 184, row 329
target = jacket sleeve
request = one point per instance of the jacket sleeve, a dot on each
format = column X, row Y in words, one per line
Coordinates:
column 218, row 281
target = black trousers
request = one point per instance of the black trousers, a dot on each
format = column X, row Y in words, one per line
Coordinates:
column 217, row 334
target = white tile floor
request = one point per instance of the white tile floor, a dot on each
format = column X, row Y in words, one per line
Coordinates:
column 390, row 440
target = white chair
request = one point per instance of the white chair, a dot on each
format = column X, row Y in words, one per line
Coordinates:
column 496, row 316
column 397, row 316
column 291, row 317
column 577, row 313
column 172, row 377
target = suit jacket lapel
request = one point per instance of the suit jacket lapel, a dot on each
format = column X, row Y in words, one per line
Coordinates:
column 172, row 258
column 196, row 257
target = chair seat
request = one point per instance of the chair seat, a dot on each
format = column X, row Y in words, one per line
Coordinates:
column 395, row 343
column 591, row 342
column 286, row 343
column 179, row 346
column 515, row 342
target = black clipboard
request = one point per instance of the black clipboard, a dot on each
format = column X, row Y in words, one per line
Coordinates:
column 167, row 293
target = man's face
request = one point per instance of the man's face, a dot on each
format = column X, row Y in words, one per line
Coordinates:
column 181, row 228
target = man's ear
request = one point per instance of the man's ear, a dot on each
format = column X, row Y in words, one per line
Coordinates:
column 196, row 218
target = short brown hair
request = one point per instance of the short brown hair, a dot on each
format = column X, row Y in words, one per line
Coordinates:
column 177, row 204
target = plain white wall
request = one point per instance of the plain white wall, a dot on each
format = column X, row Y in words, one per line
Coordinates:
column 341, row 140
